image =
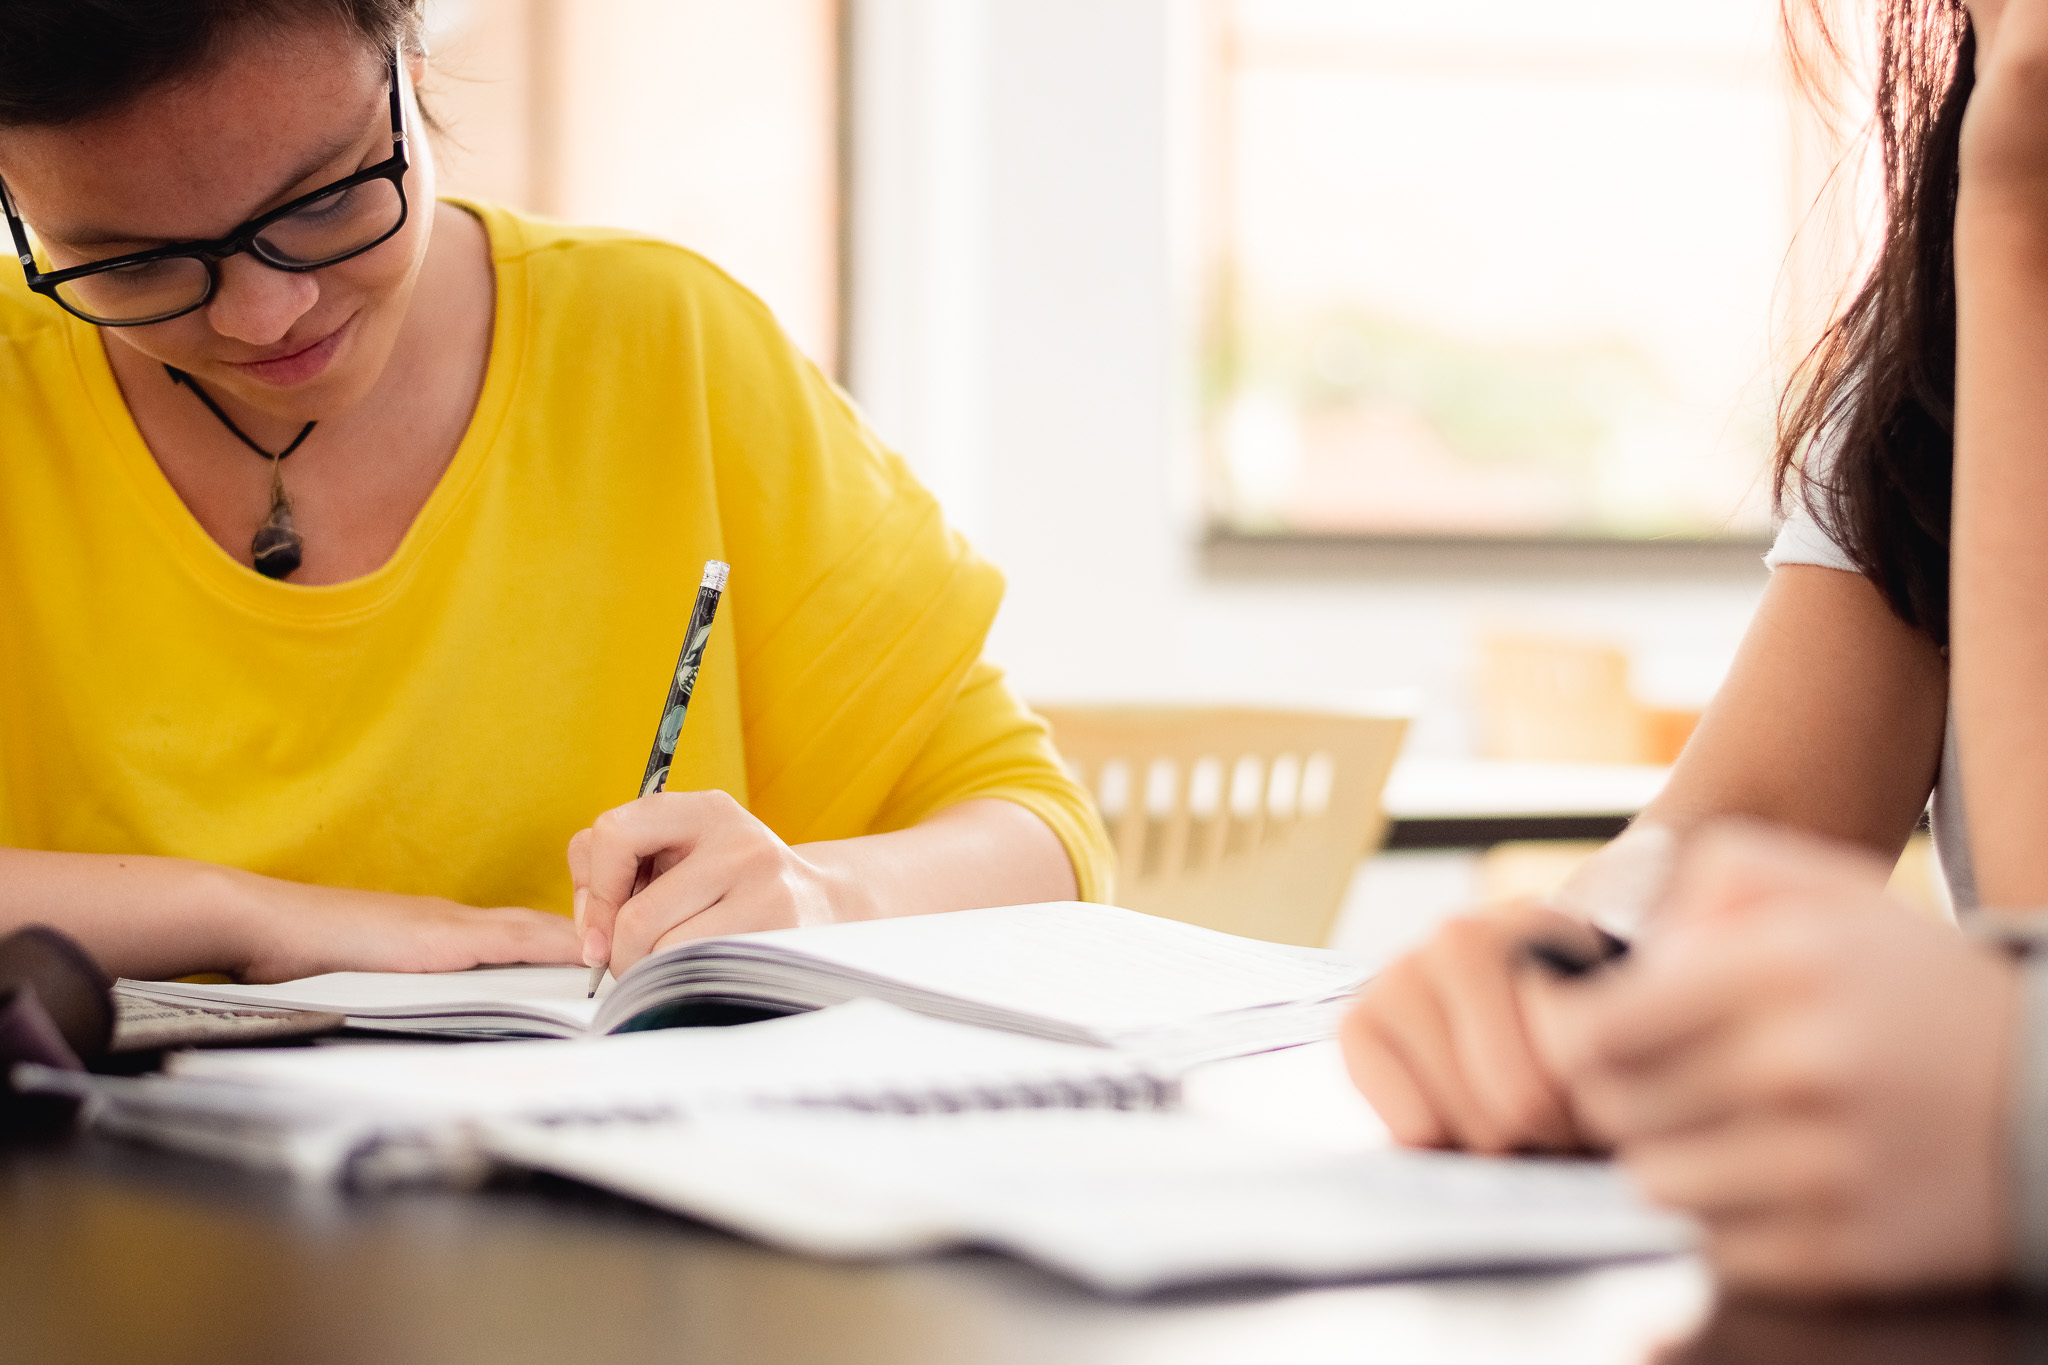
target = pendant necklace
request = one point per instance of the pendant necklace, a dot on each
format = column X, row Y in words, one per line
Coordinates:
column 278, row 549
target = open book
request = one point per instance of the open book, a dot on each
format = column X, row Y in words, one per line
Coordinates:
column 377, row 1107
column 1123, row 1202
column 1067, row 971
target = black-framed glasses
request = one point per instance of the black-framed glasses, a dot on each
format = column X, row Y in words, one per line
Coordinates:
column 333, row 224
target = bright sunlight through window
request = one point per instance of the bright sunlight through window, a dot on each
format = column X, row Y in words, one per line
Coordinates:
column 1508, row 268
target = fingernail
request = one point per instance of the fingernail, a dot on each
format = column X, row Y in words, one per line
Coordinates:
column 576, row 906
column 594, row 948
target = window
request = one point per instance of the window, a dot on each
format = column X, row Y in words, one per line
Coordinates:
column 1505, row 269
column 705, row 122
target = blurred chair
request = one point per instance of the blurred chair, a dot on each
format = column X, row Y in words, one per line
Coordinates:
column 1667, row 730
column 1549, row 698
column 1556, row 699
column 1530, row 870
column 1247, row 821
column 1918, row 879
column 1552, row 699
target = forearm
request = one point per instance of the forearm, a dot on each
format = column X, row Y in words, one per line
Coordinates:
column 2000, row 557
column 978, row 853
column 1830, row 721
column 141, row 917
column 161, row 917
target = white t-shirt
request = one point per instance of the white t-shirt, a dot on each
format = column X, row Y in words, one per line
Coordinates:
column 1802, row 541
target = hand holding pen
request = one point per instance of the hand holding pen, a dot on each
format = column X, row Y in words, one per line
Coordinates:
column 1438, row 1041
column 667, row 735
column 670, row 866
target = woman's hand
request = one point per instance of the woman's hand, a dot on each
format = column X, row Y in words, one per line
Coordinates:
column 684, row 865
column 1438, row 1044
column 306, row 930
column 1814, row 1071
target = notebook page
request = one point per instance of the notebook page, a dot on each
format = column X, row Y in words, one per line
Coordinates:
column 1114, row 972
column 865, row 1052
column 553, row 996
column 1125, row 1202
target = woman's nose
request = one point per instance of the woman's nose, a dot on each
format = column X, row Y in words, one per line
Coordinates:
column 258, row 305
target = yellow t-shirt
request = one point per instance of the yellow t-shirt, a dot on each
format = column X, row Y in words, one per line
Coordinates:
column 443, row 725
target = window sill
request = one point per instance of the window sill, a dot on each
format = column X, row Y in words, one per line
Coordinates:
column 1226, row 553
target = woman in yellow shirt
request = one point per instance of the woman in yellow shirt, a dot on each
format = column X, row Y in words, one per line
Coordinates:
column 480, row 461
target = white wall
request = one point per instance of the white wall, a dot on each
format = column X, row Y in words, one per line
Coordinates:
column 1025, row 233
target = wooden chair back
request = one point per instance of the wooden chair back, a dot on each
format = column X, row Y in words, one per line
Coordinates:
column 1553, row 699
column 1248, row 821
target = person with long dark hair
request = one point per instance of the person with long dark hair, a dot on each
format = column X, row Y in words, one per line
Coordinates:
column 348, row 536
column 1850, row 1097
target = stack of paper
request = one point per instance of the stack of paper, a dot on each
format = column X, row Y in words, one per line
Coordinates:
column 857, row 1127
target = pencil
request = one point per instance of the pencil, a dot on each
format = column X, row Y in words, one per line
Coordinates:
column 677, row 706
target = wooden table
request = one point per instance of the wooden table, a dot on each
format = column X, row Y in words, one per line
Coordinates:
column 114, row 1254
column 1476, row 803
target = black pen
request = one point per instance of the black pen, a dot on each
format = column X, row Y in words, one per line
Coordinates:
column 1570, row 960
column 677, row 707
column 1611, row 895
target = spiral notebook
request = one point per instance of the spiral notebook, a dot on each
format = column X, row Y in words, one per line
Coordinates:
column 319, row 1111
column 1067, row 971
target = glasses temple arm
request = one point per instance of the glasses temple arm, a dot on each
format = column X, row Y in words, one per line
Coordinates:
column 398, row 138
column 15, row 230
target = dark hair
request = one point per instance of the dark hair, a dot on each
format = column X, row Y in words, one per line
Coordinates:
column 65, row 60
column 1866, row 430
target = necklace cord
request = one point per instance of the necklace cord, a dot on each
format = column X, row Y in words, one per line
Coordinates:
column 278, row 549
column 180, row 377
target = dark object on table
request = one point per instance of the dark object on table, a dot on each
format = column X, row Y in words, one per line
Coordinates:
column 56, row 1008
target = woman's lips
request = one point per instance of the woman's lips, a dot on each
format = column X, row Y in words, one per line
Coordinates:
column 288, row 370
